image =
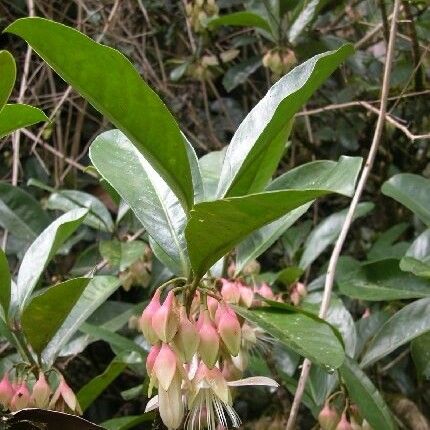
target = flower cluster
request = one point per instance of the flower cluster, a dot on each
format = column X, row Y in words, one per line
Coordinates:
column 17, row 394
column 350, row 419
column 196, row 356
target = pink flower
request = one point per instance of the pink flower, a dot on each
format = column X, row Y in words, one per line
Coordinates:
column 230, row 291
column 41, row 392
column 209, row 340
column 266, row 292
column 21, row 397
column 229, row 329
column 328, row 418
column 165, row 320
column 6, row 391
column 246, row 296
column 187, row 338
column 64, row 399
column 165, row 366
column 145, row 321
column 344, row 424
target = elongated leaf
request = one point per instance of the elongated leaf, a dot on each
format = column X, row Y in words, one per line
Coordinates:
column 368, row 399
column 240, row 19
column 405, row 325
column 40, row 253
column 113, row 86
column 21, row 213
column 128, row 422
column 239, row 73
column 412, row 191
column 46, row 312
column 210, row 167
column 8, row 75
column 382, row 280
column 89, row 392
column 417, row 257
column 385, row 246
column 196, row 175
column 16, row 116
column 150, row 198
column 214, row 228
column 304, row 334
column 5, row 282
column 420, row 351
column 305, row 17
column 98, row 216
column 259, row 142
column 96, row 293
column 326, row 232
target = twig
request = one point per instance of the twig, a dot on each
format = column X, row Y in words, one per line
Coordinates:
column 328, row 287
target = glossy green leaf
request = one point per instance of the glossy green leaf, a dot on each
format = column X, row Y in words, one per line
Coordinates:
column 210, row 167
column 90, row 391
column 47, row 311
column 98, row 215
column 405, row 325
column 412, row 191
column 385, row 246
column 196, row 175
column 304, row 334
column 5, row 282
column 240, row 73
column 113, row 86
column 21, row 213
column 40, row 253
column 368, row 327
column 150, row 198
column 8, row 76
column 214, row 228
column 240, row 19
column 128, row 422
column 97, row 292
column 121, row 255
column 306, row 15
column 368, row 399
column 420, row 351
column 326, row 232
column 258, row 144
column 382, row 280
column 417, row 257
column 16, row 116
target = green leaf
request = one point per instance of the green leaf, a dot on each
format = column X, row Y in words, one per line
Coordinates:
column 210, row 167
column 5, row 282
column 121, row 255
column 420, row 351
column 326, row 232
column 384, row 246
column 405, row 325
column 96, row 293
column 417, row 258
column 307, row 14
column 113, row 86
column 239, row 73
column 303, row 333
column 258, row 144
column 98, row 216
column 8, row 76
column 90, row 391
column 195, row 171
column 40, row 253
column 150, row 198
column 128, row 422
column 214, row 228
column 16, row 116
column 382, row 280
column 20, row 213
column 368, row 399
column 240, row 19
column 47, row 311
column 412, row 191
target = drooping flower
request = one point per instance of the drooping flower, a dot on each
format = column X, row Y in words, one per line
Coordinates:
column 41, row 392
column 246, row 296
column 187, row 338
column 229, row 329
column 209, row 340
column 344, row 424
column 145, row 321
column 64, row 399
column 165, row 320
column 328, row 417
column 21, row 397
column 265, row 291
column 230, row 291
column 6, row 391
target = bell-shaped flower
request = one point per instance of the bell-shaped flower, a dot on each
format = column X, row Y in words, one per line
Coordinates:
column 212, row 306
column 344, row 424
column 145, row 321
column 21, row 397
column 165, row 320
column 265, row 291
column 229, row 329
column 246, row 296
column 328, row 417
column 186, row 340
column 165, row 366
column 41, row 392
column 6, row 391
column 230, row 291
column 209, row 340
column 170, row 404
column 64, row 399
column 150, row 359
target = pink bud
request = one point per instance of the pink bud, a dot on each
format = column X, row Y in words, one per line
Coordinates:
column 246, row 296
column 209, row 340
column 229, row 330
column 170, row 404
column 165, row 366
column 266, row 291
column 343, row 424
column 41, row 392
column 230, row 291
column 64, row 399
column 145, row 321
column 21, row 398
column 212, row 306
column 187, row 338
column 6, row 391
column 328, row 418
column 165, row 320
column 150, row 360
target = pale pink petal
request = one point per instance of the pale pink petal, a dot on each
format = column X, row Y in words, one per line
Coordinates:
column 254, row 380
column 152, row 404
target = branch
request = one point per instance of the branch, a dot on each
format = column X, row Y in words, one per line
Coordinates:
column 328, row 287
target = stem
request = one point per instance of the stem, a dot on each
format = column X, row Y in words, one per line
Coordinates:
column 328, row 287
column 22, row 348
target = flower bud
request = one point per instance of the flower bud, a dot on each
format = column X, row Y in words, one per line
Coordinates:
column 145, row 321
column 41, row 392
column 150, row 360
column 230, row 291
column 64, row 399
column 343, row 424
column 328, row 418
column 165, row 366
column 209, row 340
column 187, row 338
column 229, row 330
column 6, row 391
column 165, row 320
column 266, row 292
column 21, row 397
column 246, row 296
column 170, row 404
column 212, row 306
